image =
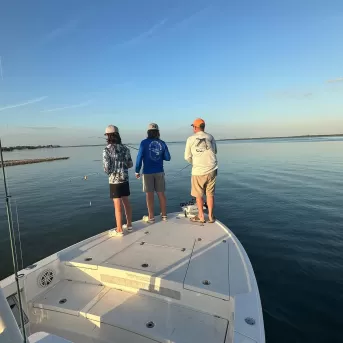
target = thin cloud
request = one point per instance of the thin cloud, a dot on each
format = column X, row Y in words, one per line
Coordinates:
column 190, row 17
column 339, row 79
column 292, row 94
column 82, row 104
column 41, row 127
column 29, row 102
column 146, row 34
column 62, row 30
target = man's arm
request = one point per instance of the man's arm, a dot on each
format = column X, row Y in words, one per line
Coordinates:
column 166, row 155
column 188, row 152
column 214, row 144
column 139, row 159
column 106, row 161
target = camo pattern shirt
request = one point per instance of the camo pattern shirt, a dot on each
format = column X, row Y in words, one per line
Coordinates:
column 116, row 161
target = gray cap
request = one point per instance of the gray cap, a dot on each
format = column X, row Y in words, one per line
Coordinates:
column 111, row 129
column 153, row 126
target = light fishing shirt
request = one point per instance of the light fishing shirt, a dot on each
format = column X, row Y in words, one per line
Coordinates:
column 201, row 150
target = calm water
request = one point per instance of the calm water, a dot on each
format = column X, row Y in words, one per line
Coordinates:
column 283, row 200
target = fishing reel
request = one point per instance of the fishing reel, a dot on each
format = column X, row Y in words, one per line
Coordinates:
column 189, row 203
column 190, row 209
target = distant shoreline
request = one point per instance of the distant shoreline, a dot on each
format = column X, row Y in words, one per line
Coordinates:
column 29, row 147
column 276, row 137
column 32, row 147
column 281, row 137
column 10, row 163
column 221, row 140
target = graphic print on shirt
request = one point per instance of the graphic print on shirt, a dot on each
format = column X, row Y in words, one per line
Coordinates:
column 155, row 150
column 202, row 145
column 115, row 160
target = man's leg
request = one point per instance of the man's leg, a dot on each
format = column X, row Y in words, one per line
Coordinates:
column 160, row 188
column 200, row 204
column 128, row 210
column 198, row 182
column 163, row 202
column 118, row 214
column 210, row 206
column 210, row 189
column 150, row 204
column 148, row 188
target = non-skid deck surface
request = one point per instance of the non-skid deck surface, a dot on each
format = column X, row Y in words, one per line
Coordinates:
column 176, row 275
column 133, row 312
column 193, row 255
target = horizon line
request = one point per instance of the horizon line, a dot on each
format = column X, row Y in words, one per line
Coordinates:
column 171, row 142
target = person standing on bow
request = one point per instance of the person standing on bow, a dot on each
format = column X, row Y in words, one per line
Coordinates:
column 201, row 150
column 152, row 152
column 117, row 160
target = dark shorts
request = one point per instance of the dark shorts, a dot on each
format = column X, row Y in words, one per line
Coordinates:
column 119, row 190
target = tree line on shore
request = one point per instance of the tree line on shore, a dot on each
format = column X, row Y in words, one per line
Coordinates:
column 29, row 147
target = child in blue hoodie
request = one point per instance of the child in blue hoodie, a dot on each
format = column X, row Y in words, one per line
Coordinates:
column 152, row 152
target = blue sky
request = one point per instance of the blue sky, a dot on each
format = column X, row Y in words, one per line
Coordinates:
column 248, row 67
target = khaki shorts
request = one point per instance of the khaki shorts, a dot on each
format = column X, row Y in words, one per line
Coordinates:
column 203, row 184
column 154, row 182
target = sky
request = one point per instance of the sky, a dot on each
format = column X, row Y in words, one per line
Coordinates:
column 248, row 67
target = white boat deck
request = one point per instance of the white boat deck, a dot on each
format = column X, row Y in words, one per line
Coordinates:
column 173, row 281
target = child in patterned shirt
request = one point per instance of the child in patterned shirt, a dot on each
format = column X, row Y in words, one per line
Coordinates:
column 117, row 160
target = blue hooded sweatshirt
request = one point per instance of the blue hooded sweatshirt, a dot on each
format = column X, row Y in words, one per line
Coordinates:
column 152, row 153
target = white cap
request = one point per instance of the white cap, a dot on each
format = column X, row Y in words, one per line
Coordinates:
column 111, row 129
column 153, row 126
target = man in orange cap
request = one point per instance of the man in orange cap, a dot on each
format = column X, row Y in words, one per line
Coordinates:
column 201, row 150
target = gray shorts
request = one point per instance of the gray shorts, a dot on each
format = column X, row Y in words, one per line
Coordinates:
column 154, row 182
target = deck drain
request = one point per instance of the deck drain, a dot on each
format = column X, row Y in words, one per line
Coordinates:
column 150, row 325
column 183, row 249
column 146, row 232
column 63, row 301
column 87, row 259
column 145, row 265
column 224, row 240
column 45, row 278
column 142, row 243
column 250, row 321
column 199, row 239
column 206, row 282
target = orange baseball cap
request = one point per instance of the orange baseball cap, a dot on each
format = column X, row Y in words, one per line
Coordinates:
column 198, row 122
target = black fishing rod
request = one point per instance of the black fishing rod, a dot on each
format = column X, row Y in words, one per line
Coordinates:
column 13, row 246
